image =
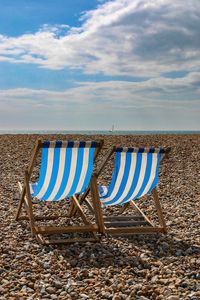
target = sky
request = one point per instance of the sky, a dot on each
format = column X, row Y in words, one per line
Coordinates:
column 89, row 64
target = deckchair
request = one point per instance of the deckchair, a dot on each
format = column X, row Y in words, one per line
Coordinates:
column 65, row 173
column 135, row 175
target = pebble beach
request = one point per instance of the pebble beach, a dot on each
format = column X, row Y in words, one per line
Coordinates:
column 137, row 267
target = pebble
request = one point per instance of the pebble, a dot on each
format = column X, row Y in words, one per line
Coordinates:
column 116, row 297
column 58, row 284
column 50, row 290
column 173, row 297
column 84, row 296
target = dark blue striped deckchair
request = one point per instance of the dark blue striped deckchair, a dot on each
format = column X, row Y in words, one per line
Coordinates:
column 135, row 175
column 65, row 172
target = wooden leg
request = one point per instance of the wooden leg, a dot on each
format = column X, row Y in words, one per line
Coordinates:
column 23, row 192
column 125, row 206
column 88, row 204
column 29, row 203
column 30, row 168
column 80, row 210
column 141, row 212
column 72, row 209
column 159, row 210
column 97, row 205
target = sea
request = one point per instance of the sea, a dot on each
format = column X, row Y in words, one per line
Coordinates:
column 103, row 132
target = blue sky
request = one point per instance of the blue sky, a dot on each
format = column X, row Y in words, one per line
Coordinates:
column 85, row 64
column 26, row 16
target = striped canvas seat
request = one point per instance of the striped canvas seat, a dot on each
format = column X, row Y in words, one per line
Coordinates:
column 135, row 174
column 66, row 169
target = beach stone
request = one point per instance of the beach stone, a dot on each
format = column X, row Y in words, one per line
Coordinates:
column 63, row 293
column 73, row 262
column 50, row 290
column 20, row 256
column 42, row 291
column 189, row 251
column 167, row 292
column 116, row 297
column 46, row 265
column 84, row 296
column 173, row 297
column 154, row 279
column 184, row 284
column 198, row 286
column 58, row 284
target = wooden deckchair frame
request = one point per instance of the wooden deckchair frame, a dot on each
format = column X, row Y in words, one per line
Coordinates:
column 130, row 223
column 40, row 231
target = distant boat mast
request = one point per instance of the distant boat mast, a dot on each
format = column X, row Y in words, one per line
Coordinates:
column 112, row 129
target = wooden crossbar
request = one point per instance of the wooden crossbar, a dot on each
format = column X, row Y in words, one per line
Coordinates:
column 134, row 230
column 124, row 223
column 70, row 229
column 123, row 218
column 38, row 218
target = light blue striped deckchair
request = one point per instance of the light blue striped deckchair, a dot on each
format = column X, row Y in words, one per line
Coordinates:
column 65, row 172
column 135, row 175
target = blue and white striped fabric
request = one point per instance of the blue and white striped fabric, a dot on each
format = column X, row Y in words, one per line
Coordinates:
column 135, row 174
column 66, row 169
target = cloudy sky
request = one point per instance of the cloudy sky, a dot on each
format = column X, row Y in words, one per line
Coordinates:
column 88, row 64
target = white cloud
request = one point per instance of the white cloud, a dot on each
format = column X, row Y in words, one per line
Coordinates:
column 159, row 103
column 112, row 94
column 121, row 37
